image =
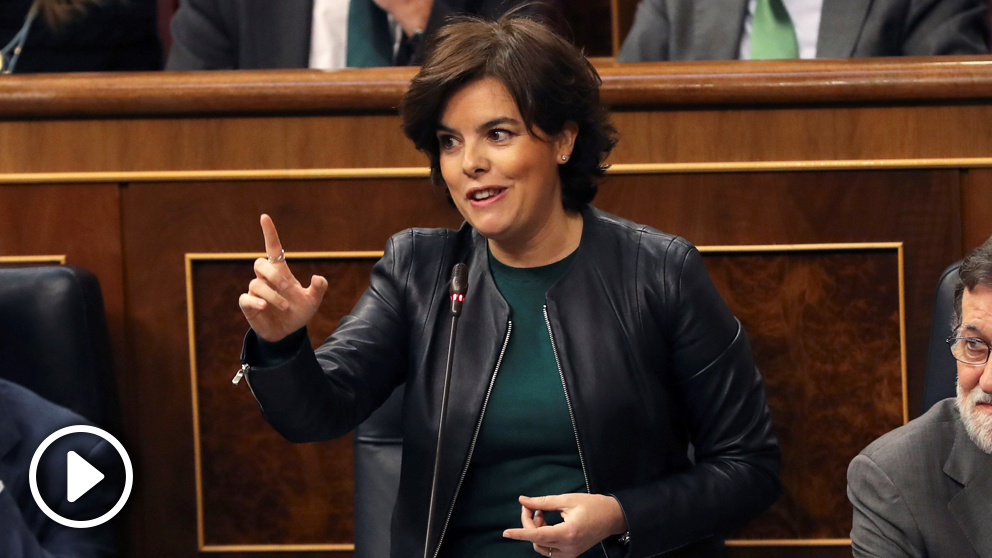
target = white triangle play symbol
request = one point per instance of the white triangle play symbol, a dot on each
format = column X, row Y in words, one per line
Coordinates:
column 80, row 476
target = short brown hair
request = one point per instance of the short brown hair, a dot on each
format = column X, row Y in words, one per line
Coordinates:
column 976, row 269
column 550, row 79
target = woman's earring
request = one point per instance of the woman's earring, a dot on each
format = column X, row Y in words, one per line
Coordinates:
column 564, row 157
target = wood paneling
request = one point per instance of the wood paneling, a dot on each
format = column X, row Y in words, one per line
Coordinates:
column 920, row 135
column 825, row 326
column 826, row 333
column 948, row 80
column 165, row 221
column 207, row 143
column 81, row 222
column 257, row 487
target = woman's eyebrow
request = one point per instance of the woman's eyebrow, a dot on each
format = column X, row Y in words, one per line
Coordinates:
column 496, row 122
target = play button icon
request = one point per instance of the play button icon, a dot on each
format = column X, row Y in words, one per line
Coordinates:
column 80, row 476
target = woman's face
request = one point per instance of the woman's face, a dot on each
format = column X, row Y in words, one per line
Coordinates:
column 503, row 180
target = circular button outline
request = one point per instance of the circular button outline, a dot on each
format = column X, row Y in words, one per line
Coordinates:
column 33, row 476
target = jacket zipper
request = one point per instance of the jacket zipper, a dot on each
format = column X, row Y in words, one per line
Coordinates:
column 471, row 448
column 243, row 373
column 571, row 413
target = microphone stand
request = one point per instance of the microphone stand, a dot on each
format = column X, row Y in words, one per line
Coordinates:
column 459, row 285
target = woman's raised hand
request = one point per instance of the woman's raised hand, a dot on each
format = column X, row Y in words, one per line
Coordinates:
column 276, row 304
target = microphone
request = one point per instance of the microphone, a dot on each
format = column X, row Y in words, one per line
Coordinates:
column 459, row 285
column 457, row 290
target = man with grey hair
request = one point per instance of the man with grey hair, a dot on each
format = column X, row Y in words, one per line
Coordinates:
column 925, row 489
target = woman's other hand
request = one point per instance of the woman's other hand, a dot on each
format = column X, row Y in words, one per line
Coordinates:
column 588, row 519
column 276, row 304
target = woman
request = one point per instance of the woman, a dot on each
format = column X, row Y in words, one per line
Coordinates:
column 590, row 351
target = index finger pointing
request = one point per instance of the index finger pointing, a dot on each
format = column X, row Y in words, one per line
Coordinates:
column 272, row 245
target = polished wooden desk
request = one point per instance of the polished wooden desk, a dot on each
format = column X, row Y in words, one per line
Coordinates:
column 827, row 196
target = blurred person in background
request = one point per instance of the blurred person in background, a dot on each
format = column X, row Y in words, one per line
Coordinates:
column 79, row 36
column 783, row 29
column 26, row 420
column 320, row 34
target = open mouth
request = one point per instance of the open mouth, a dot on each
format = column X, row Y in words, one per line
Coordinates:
column 484, row 196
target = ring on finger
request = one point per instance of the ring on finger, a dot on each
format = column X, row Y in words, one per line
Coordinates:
column 280, row 258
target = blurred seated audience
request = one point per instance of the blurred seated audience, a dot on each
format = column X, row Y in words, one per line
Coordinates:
column 259, row 34
column 79, row 36
column 782, row 29
column 925, row 489
column 25, row 532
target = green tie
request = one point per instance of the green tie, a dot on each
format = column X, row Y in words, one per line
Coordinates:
column 772, row 35
column 369, row 41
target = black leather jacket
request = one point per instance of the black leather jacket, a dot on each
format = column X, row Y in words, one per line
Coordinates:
column 651, row 357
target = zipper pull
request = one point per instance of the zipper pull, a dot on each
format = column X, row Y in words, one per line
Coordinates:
column 241, row 373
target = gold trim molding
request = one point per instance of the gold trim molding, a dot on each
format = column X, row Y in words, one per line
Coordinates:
column 789, row 542
column 53, row 259
column 424, row 172
column 718, row 249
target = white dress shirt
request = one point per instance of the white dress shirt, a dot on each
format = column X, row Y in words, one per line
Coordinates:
column 805, row 15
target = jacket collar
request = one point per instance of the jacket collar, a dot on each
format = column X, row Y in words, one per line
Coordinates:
column 972, row 468
column 840, row 28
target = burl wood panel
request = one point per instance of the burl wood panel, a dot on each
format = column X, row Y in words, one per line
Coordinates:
column 257, row 487
column 825, row 327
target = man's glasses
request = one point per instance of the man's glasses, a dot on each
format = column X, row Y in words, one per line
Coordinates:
column 969, row 350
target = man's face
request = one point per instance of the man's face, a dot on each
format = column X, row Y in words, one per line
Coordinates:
column 975, row 382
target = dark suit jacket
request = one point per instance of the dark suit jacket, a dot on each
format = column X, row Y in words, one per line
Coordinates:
column 25, row 532
column 923, row 490
column 712, row 29
column 258, row 34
